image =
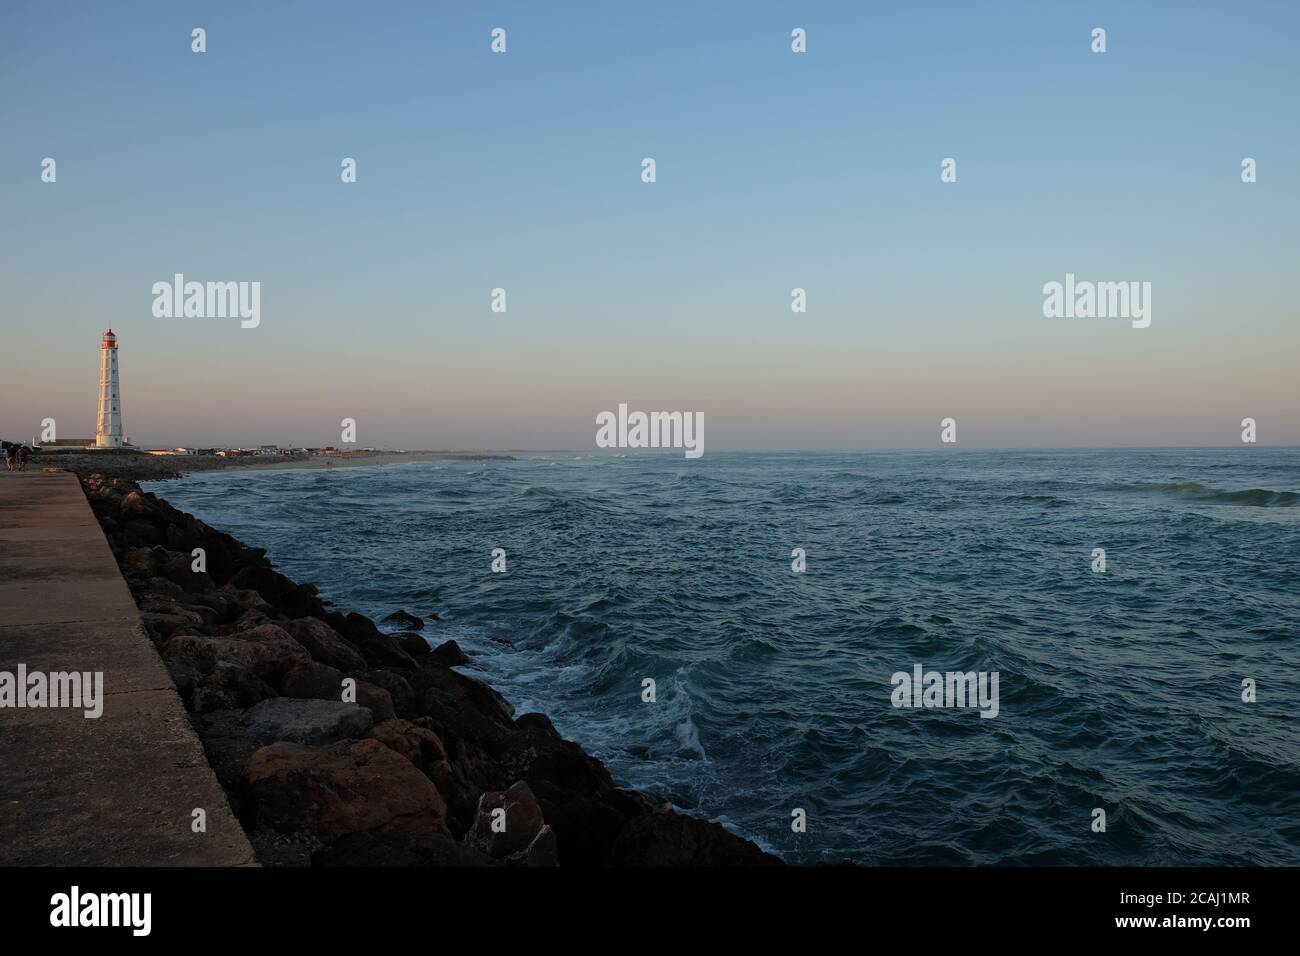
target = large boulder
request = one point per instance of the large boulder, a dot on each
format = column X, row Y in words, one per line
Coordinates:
column 227, row 687
column 574, row 789
column 165, row 617
column 140, row 534
column 405, row 619
column 379, row 649
column 251, row 618
column 461, row 706
column 177, row 613
column 245, row 599
column 419, row 745
column 156, row 586
column 325, row 644
column 310, row 679
column 449, row 654
column 269, row 657
column 295, row 600
column 138, row 563
column 178, row 567
column 509, row 827
column 399, row 690
column 306, row 721
column 376, row 700
column 413, row 644
column 339, row 789
column 139, row 503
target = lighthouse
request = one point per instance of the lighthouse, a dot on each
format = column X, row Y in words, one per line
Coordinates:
column 108, row 430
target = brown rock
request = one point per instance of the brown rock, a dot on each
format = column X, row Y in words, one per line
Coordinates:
column 252, row 618
column 420, row 746
column 178, row 567
column 177, row 612
column 267, row 657
column 164, row 617
column 138, row 563
column 274, row 635
column 136, row 503
column 338, row 789
column 157, row 587
column 312, row 679
column 398, row 689
column 382, row 650
column 376, row 699
column 244, row 598
column 230, row 686
column 325, row 644
column 502, row 835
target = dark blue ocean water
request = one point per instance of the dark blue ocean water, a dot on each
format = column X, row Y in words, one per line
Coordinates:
column 1119, row 690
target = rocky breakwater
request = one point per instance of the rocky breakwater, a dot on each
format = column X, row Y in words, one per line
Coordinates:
column 340, row 744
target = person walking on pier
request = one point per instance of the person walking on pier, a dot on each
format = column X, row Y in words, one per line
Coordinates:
column 9, row 457
column 21, row 457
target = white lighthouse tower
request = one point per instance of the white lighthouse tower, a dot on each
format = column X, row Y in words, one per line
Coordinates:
column 108, row 430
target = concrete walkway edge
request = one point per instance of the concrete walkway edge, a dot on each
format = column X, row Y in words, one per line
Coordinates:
column 121, row 789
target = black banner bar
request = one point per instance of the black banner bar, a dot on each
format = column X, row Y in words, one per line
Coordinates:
column 241, row 906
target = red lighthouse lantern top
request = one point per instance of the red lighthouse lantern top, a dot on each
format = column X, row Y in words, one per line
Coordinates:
column 110, row 340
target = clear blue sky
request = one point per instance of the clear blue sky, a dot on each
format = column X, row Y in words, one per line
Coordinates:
column 775, row 170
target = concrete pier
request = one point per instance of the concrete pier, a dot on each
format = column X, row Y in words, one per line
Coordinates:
column 120, row 789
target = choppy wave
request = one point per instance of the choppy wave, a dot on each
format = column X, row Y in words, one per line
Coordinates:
column 1254, row 497
column 1119, row 689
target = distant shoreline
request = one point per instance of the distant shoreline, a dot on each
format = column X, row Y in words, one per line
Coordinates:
column 138, row 466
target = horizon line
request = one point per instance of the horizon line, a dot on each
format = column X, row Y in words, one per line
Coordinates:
column 676, row 452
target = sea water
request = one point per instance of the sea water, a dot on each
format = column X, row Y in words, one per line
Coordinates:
column 1120, row 689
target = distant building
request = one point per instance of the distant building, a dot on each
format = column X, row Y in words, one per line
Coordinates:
column 268, row 449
